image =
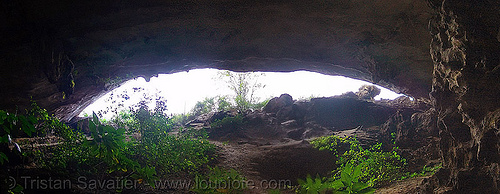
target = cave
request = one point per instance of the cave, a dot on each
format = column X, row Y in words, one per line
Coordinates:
column 66, row 54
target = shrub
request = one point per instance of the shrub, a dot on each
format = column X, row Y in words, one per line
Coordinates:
column 426, row 171
column 380, row 167
column 217, row 103
column 133, row 145
column 244, row 86
column 227, row 124
column 348, row 182
column 180, row 119
column 187, row 151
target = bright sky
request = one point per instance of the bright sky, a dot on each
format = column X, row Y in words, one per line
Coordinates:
column 182, row 90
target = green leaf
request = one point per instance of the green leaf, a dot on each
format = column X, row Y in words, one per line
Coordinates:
column 357, row 172
column 345, row 177
column 18, row 189
column 4, row 139
column 367, row 191
column 95, row 119
column 3, row 158
column 357, row 186
column 337, row 185
column 27, row 127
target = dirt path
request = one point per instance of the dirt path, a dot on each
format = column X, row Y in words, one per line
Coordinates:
column 274, row 166
column 282, row 163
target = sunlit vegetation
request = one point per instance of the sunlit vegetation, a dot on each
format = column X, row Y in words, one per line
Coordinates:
column 138, row 146
column 359, row 169
column 145, row 144
column 136, row 143
column 379, row 167
column 348, row 182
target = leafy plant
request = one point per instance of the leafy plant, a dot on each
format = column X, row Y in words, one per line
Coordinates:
column 107, row 144
column 184, row 152
column 136, row 144
column 313, row 186
column 35, row 123
column 334, row 144
column 217, row 103
column 12, row 124
column 180, row 119
column 244, row 86
column 347, row 183
column 227, row 124
column 382, row 167
column 426, row 170
column 220, row 181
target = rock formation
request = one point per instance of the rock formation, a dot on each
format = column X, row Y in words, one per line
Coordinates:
column 466, row 92
column 65, row 54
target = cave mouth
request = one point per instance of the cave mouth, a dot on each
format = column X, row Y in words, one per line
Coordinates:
column 183, row 90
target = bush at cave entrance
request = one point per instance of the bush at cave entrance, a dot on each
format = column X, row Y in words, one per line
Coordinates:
column 244, row 86
column 183, row 152
column 380, row 167
column 141, row 148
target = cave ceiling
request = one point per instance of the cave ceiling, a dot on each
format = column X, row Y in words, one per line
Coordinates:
column 65, row 54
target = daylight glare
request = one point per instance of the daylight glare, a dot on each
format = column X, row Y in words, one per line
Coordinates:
column 182, row 90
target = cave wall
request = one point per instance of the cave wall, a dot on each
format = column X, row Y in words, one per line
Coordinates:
column 65, row 54
column 466, row 89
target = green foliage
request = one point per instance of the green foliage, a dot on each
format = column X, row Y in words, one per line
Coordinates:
column 217, row 103
column 349, row 180
column 180, row 119
column 108, row 144
column 68, row 148
column 3, row 158
column 347, row 183
column 260, row 105
column 36, row 122
column 336, row 145
column 17, row 189
column 426, row 171
column 135, row 144
column 227, row 124
column 12, row 124
column 170, row 154
column 220, row 181
column 313, row 186
column 105, row 154
column 244, row 86
column 381, row 167
column 154, row 144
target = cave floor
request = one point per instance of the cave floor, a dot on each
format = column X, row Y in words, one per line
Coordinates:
column 286, row 161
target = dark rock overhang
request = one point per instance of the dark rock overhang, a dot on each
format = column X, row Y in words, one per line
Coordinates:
column 64, row 54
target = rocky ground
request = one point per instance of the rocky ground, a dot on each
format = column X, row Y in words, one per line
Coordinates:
column 273, row 143
column 270, row 147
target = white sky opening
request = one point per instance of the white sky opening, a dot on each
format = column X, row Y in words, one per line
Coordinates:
column 182, row 90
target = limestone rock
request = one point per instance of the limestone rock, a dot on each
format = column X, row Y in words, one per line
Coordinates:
column 466, row 90
column 277, row 103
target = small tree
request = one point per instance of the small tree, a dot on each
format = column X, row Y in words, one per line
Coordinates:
column 244, row 86
column 217, row 103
